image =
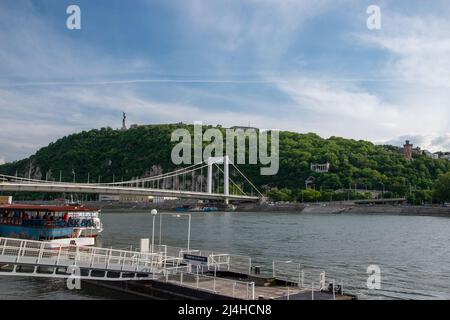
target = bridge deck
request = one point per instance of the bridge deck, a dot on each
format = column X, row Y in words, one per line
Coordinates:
column 8, row 186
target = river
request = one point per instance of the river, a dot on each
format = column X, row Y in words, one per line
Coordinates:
column 412, row 252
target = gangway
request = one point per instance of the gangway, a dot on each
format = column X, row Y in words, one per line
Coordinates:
column 37, row 258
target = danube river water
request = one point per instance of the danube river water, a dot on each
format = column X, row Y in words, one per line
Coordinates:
column 412, row 252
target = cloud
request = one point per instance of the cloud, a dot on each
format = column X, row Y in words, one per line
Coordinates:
column 94, row 107
column 36, row 51
column 419, row 47
column 52, row 83
column 263, row 29
column 431, row 143
column 2, row 160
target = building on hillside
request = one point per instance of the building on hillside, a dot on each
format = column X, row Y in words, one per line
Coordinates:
column 431, row 155
column 243, row 128
column 320, row 167
column 408, row 150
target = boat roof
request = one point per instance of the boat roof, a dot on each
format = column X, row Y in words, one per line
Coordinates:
column 45, row 208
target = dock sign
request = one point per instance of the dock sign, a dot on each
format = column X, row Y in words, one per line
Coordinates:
column 195, row 260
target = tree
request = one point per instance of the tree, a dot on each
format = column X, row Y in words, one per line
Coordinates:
column 280, row 195
column 442, row 188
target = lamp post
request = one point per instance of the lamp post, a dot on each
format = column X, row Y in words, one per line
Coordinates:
column 154, row 212
column 382, row 194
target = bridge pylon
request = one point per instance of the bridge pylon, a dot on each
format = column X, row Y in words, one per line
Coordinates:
column 226, row 172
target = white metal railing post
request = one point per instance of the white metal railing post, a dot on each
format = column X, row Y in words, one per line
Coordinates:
column 92, row 257
column 288, row 292
column 322, row 281
column 181, row 277
column 41, row 251
column 253, row 291
column 4, row 247
column 342, row 287
column 59, row 254
column 19, row 252
column 108, row 259
column 312, row 291
column 303, row 279
column 77, row 252
column 122, row 257
column 138, row 260
column 234, row 289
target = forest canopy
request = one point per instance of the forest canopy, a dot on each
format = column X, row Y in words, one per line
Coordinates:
column 106, row 154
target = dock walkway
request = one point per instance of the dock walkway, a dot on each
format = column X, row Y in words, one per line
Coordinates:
column 162, row 270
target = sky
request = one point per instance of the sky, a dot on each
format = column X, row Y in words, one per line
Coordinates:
column 297, row 65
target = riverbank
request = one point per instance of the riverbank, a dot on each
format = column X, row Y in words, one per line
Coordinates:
column 378, row 209
column 317, row 208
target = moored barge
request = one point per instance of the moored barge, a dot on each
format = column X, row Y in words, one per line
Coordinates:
column 61, row 225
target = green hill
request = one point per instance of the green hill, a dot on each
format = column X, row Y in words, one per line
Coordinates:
column 108, row 154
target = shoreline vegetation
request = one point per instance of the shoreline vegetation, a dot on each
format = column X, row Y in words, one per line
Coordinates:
column 310, row 208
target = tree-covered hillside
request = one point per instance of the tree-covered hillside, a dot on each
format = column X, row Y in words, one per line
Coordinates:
column 108, row 154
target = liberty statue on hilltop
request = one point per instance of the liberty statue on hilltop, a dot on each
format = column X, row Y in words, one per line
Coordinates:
column 124, row 118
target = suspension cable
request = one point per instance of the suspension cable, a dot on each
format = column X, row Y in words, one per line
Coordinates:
column 247, row 180
column 244, row 193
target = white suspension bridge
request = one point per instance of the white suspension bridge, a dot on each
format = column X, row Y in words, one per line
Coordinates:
column 154, row 185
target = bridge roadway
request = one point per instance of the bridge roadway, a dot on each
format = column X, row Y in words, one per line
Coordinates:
column 6, row 186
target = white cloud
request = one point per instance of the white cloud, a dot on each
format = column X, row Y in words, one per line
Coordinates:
column 432, row 143
column 264, row 27
column 29, row 126
column 419, row 47
column 417, row 76
column 331, row 108
column 418, row 50
column 2, row 160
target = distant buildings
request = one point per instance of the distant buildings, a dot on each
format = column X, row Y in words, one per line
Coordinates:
column 408, row 151
column 132, row 198
column 433, row 156
column 244, row 128
column 320, row 167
